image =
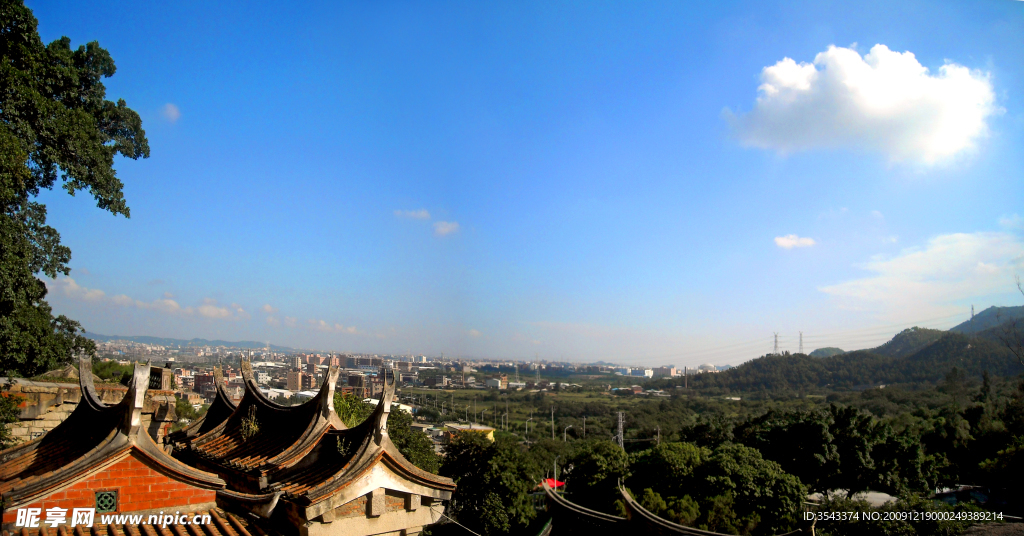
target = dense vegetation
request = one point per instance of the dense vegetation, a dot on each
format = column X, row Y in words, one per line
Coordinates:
column 782, row 374
column 55, row 123
column 743, row 467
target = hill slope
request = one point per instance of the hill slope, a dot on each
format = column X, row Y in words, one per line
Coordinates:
column 988, row 319
column 827, row 352
column 864, row 368
column 908, row 341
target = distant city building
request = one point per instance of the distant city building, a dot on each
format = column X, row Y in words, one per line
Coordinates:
column 293, row 381
column 203, row 382
column 667, row 371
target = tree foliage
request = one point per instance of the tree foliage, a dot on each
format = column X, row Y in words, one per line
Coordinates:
column 414, row 445
column 55, row 123
column 494, row 481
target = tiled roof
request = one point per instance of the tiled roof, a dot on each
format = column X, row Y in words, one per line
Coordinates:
column 280, row 434
column 218, row 412
column 94, row 434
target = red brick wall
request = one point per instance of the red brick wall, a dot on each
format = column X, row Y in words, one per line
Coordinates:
column 139, row 487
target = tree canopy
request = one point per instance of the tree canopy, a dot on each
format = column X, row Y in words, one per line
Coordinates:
column 56, row 124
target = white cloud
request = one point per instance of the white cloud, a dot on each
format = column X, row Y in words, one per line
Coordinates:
column 1012, row 223
column 443, row 228
column 923, row 281
column 171, row 113
column 83, row 271
column 271, row 321
column 164, row 306
column 420, row 214
column 168, row 295
column 72, row 289
column 473, row 333
column 885, row 101
column 268, row 309
column 794, row 241
column 326, row 327
column 291, row 321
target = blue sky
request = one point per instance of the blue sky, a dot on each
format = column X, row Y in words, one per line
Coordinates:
column 635, row 182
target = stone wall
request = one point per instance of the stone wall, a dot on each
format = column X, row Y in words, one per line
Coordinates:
column 44, row 405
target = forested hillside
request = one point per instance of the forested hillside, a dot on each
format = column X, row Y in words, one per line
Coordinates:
column 908, row 341
column 852, row 370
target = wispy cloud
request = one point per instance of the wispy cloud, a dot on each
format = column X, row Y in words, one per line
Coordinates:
column 793, row 241
column 474, row 333
column 420, row 214
column 443, row 228
column 326, row 327
column 921, row 281
column 171, row 113
column 272, row 321
column 1012, row 223
column 885, row 101
column 267, row 308
column 69, row 288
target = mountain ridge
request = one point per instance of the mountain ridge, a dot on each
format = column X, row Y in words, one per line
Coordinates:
column 167, row 341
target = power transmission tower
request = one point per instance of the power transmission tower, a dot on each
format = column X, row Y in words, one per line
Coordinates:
column 801, row 342
column 775, row 350
column 621, row 430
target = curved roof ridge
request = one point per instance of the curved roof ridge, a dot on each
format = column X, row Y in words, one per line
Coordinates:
column 220, row 409
column 375, row 445
column 85, row 382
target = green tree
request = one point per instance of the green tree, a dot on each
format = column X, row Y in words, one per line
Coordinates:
column 351, row 409
column 8, row 414
column 494, row 481
column 55, row 123
column 593, row 472
column 413, row 444
column 758, row 491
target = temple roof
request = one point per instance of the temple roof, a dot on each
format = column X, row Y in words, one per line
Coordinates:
column 260, row 435
column 343, row 465
column 218, row 412
column 92, row 436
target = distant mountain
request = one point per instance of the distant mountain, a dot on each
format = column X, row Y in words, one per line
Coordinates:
column 163, row 341
column 827, row 352
column 989, row 318
column 908, row 341
column 860, row 369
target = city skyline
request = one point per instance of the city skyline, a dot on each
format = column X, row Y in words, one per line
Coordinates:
column 577, row 183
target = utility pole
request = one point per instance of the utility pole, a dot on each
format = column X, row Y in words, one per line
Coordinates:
column 552, row 422
column 801, row 342
column 620, row 432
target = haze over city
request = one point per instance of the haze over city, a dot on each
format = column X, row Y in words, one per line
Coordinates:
column 638, row 184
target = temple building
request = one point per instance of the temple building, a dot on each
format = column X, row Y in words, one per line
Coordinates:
column 255, row 468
